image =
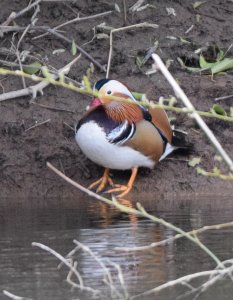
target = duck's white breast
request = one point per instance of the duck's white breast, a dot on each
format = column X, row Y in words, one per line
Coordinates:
column 92, row 140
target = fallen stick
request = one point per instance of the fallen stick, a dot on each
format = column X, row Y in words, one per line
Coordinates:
column 223, row 98
column 58, row 35
column 15, row 15
column 81, row 50
column 140, row 25
column 136, row 5
column 213, row 274
column 54, row 108
column 180, row 93
column 78, row 19
column 37, row 125
column 175, row 237
column 13, row 64
column 15, row 28
column 14, row 297
column 34, row 89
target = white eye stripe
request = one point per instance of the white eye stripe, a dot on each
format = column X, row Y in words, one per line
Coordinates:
column 114, row 85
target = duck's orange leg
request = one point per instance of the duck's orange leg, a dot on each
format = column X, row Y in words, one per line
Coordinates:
column 125, row 188
column 102, row 182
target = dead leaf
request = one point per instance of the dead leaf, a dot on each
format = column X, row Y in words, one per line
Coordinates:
column 198, row 4
column 194, row 161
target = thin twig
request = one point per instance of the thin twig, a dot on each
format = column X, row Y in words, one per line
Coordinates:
column 183, row 279
column 53, row 108
column 58, row 35
column 90, row 92
column 180, row 93
column 37, row 125
column 80, row 49
column 14, row 15
column 68, row 278
column 8, row 52
column 13, row 64
column 70, row 127
column 21, row 68
column 125, row 10
column 190, row 111
column 16, row 28
column 136, row 5
column 223, row 98
column 36, row 12
column 189, row 29
column 176, row 237
column 192, row 238
column 8, row 21
column 18, row 53
column 77, row 19
column 34, row 89
column 213, row 279
column 121, row 278
column 101, row 264
column 69, row 255
column 26, row 9
column 140, row 25
column 69, row 265
column 216, row 173
column 138, row 212
column 14, row 297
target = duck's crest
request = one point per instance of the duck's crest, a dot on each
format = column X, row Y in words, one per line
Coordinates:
column 100, row 83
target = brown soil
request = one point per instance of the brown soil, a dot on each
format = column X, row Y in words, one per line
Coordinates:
column 24, row 177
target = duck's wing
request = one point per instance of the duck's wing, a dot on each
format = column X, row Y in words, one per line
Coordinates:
column 147, row 140
column 153, row 135
column 160, row 120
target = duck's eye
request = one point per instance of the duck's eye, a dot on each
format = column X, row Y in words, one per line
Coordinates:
column 109, row 92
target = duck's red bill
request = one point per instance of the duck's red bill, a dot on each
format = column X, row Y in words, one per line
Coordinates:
column 95, row 102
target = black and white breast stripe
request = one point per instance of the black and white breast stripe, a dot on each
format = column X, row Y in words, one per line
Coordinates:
column 121, row 133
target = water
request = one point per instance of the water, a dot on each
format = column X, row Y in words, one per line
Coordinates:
column 32, row 272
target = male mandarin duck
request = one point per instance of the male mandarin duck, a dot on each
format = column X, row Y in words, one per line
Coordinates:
column 122, row 135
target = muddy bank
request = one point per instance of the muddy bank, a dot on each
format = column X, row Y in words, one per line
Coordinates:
column 23, row 153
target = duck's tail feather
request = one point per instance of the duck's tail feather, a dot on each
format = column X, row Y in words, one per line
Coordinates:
column 180, row 144
column 179, row 138
column 168, row 150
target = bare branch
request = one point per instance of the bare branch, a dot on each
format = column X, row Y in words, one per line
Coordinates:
column 58, row 35
column 34, row 89
column 77, row 19
column 216, row 275
column 14, row 297
column 223, row 98
column 177, row 236
column 136, row 5
column 180, row 93
column 37, row 125
column 14, row 15
column 80, row 285
column 140, row 25
column 140, row 211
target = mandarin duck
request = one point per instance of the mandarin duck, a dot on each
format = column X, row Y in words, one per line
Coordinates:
column 122, row 134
